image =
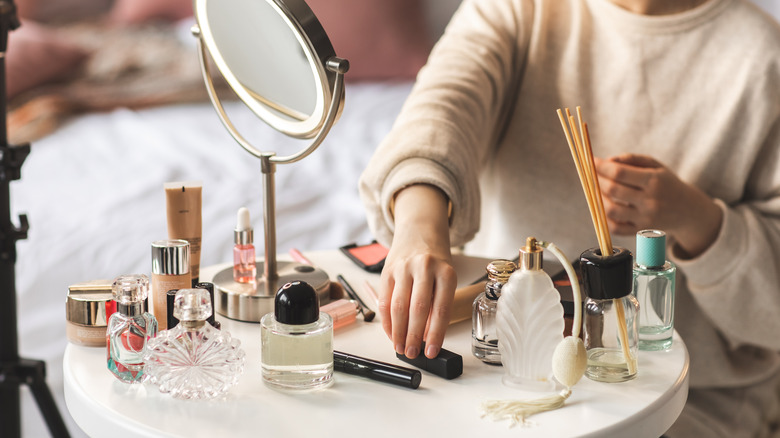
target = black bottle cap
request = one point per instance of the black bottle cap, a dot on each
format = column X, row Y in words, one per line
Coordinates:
column 210, row 287
column 296, row 303
column 605, row 278
column 169, row 298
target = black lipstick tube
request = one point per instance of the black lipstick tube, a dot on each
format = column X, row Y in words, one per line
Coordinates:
column 375, row 370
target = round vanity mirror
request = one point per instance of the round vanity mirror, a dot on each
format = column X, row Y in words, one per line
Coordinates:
column 276, row 57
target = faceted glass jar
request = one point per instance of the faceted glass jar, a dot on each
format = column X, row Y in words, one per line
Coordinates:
column 604, row 322
column 194, row 360
column 297, row 357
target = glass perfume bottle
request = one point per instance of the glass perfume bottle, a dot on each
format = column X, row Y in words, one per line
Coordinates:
column 194, row 360
column 130, row 328
column 654, row 284
column 484, row 337
column 297, row 341
column 610, row 317
column 244, row 268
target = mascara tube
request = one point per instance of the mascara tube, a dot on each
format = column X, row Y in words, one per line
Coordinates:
column 375, row 370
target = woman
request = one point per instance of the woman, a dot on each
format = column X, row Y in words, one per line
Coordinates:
column 682, row 99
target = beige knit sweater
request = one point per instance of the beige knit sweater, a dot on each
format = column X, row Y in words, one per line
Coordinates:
column 698, row 91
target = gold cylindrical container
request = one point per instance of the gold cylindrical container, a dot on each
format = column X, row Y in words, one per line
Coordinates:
column 87, row 309
column 170, row 270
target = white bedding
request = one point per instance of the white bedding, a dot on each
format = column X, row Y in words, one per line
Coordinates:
column 93, row 192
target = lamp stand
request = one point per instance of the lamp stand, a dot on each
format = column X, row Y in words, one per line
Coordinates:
column 15, row 371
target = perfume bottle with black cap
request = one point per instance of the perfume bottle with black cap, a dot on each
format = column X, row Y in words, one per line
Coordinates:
column 297, row 341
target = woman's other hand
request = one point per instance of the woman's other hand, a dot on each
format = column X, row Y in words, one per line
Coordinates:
column 640, row 193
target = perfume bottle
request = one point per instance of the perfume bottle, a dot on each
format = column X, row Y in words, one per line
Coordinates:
column 529, row 322
column 610, row 319
column 654, row 283
column 194, row 360
column 297, row 341
column 244, row 269
column 130, row 328
column 484, row 337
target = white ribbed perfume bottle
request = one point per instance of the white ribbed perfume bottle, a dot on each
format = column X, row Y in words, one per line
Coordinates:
column 194, row 360
column 529, row 320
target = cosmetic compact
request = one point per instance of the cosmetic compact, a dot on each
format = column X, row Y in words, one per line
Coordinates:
column 88, row 307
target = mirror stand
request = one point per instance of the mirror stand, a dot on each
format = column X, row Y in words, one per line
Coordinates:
column 250, row 302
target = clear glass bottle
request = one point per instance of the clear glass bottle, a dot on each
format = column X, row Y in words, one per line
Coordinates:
column 194, row 360
column 130, row 328
column 654, row 286
column 610, row 317
column 297, row 341
column 484, row 337
column 244, row 268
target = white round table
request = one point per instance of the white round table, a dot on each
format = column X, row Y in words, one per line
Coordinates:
column 103, row 406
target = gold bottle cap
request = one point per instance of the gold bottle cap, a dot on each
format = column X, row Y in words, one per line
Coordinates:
column 531, row 255
column 500, row 270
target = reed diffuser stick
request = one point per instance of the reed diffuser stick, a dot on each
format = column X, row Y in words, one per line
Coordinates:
column 582, row 154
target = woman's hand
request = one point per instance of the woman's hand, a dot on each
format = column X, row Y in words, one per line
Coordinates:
column 418, row 281
column 640, row 193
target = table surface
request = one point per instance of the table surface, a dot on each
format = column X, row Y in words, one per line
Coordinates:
column 103, row 406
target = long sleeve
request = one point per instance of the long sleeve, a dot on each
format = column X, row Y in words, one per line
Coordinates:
column 453, row 116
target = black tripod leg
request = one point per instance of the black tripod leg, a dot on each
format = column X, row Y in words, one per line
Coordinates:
column 10, row 413
column 35, row 373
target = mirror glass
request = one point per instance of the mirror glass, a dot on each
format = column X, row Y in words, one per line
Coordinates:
column 266, row 52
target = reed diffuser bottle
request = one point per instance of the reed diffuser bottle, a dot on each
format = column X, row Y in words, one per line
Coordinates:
column 484, row 336
column 130, row 328
column 654, row 284
column 611, row 315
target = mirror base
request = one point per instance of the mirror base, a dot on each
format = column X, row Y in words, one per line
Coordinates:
column 247, row 302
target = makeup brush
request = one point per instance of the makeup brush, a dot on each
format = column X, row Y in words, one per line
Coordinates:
column 368, row 314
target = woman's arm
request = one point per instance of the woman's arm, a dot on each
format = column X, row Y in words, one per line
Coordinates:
column 418, row 279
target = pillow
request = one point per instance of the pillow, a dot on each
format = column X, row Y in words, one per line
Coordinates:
column 128, row 12
column 37, row 55
column 382, row 39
